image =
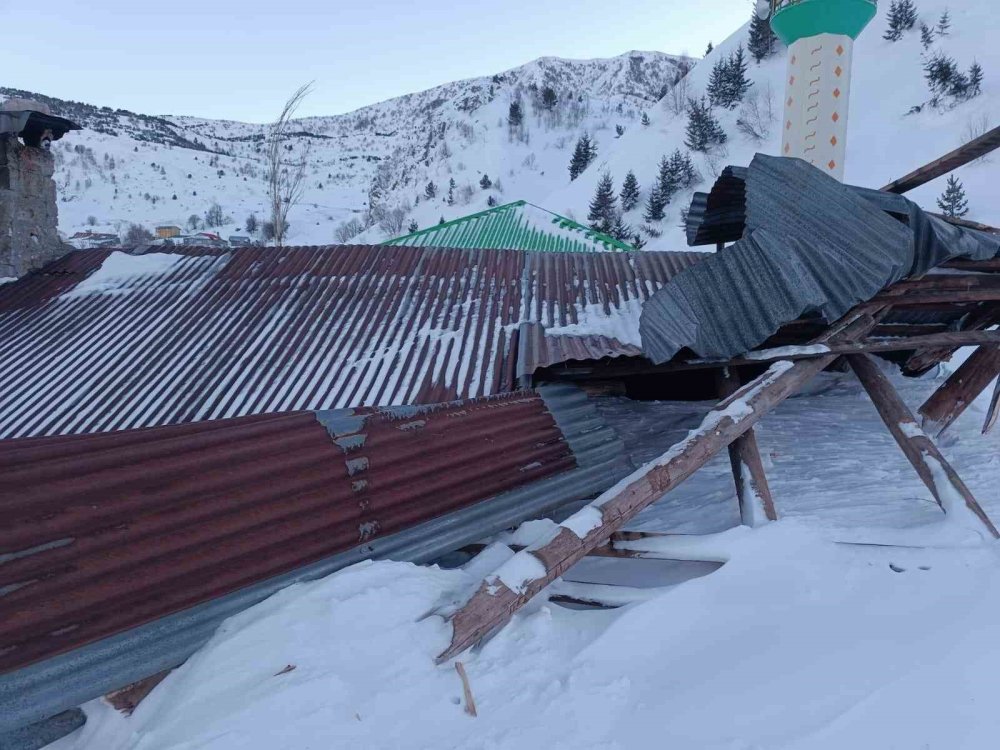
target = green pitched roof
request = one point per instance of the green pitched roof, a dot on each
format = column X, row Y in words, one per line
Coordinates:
column 514, row 226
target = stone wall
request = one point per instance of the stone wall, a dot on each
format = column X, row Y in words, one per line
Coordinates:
column 29, row 236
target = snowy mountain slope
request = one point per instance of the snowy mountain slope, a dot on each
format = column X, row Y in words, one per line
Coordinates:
column 128, row 168
column 795, row 642
column 884, row 141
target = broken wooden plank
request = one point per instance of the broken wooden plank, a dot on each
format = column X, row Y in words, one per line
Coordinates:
column 964, row 154
column 531, row 570
column 931, row 466
column 949, row 401
column 974, row 266
column 129, row 697
column 983, row 317
column 994, row 411
column 752, row 489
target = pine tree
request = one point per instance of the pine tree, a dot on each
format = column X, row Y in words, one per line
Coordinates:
column 430, row 190
column 413, row 227
column 515, row 115
column 637, row 241
column 894, row 32
column 708, row 50
column 908, row 14
column 619, row 229
column 619, row 131
column 441, row 221
column 630, row 192
column 944, row 24
column 451, row 192
column 491, row 201
column 762, row 39
column 952, row 201
column 654, row 205
column 926, row 36
column 737, row 83
column 717, row 89
column 486, row 183
column 975, row 86
column 583, row 154
column 940, row 72
column 602, row 207
column 666, row 180
column 703, row 130
column 645, row 120
column 549, row 98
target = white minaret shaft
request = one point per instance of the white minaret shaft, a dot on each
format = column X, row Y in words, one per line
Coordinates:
column 818, row 91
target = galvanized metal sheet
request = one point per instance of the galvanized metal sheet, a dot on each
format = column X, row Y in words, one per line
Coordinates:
column 205, row 334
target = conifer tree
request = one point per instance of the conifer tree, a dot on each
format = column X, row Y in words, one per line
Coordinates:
column 894, row 32
column 549, row 98
column 708, row 50
column 762, row 40
column 603, row 206
column 645, row 120
column 908, row 14
column 441, row 221
column 717, row 89
column 515, row 115
column 666, row 180
column 630, row 192
column 491, row 201
column 737, row 83
column 584, row 153
column 486, row 183
column 926, row 36
column 430, row 190
column 654, row 205
column 975, row 86
column 413, row 227
column 944, row 24
column 703, row 130
column 451, row 192
column 619, row 229
column 637, row 241
column 952, row 201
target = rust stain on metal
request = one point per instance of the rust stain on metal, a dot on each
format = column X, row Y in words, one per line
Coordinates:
column 112, row 531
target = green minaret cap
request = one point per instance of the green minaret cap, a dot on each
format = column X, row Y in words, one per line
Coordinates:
column 797, row 19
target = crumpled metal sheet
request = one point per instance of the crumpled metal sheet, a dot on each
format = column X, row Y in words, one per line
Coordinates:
column 808, row 244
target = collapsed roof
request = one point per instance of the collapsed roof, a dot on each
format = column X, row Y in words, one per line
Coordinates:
column 804, row 243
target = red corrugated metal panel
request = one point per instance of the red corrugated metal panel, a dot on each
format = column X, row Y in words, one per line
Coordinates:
column 260, row 330
column 102, row 533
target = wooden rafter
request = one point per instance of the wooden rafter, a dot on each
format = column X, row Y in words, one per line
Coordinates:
column 949, row 401
column 961, row 156
column 752, row 489
column 983, row 317
column 932, row 467
column 993, row 412
column 500, row 596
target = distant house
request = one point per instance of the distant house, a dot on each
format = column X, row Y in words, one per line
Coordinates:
column 167, row 231
column 88, row 240
column 514, row 226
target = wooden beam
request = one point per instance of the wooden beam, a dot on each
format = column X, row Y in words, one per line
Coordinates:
column 953, row 339
column 962, row 155
column 531, row 570
column 931, row 466
column 752, row 489
column 994, row 411
column 983, row 317
column 974, row 266
column 129, row 697
column 949, row 401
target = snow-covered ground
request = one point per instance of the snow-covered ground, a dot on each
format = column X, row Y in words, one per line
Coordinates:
column 795, row 642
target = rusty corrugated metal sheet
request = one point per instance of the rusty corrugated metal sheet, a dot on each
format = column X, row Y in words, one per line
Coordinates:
column 121, row 553
column 102, row 533
column 212, row 334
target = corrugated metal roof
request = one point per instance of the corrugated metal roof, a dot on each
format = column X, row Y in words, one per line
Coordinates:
column 122, row 552
column 809, row 244
column 207, row 334
column 514, row 226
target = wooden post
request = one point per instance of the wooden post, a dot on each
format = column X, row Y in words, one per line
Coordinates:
column 752, row 489
column 948, row 402
column 531, row 570
column 916, row 445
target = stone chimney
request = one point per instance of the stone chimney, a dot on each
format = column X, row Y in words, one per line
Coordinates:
column 29, row 236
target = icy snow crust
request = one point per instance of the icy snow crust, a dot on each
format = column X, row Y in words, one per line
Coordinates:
column 796, row 642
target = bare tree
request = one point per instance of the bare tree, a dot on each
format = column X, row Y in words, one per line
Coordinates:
column 757, row 114
column 285, row 176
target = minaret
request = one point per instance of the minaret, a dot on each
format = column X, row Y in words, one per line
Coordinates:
column 820, row 36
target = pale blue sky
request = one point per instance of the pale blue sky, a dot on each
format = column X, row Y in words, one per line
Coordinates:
column 239, row 59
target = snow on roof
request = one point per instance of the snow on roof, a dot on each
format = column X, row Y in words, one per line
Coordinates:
column 514, row 226
column 105, row 341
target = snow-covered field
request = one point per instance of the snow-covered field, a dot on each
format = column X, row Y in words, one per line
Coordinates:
column 795, row 642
